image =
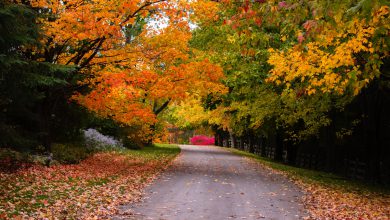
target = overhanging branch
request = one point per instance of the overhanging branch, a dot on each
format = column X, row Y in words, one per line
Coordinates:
column 159, row 110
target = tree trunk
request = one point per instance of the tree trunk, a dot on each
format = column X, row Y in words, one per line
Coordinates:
column 279, row 145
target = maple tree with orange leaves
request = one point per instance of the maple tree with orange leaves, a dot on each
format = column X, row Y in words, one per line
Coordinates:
column 134, row 70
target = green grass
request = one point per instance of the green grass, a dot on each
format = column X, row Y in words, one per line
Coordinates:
column 313, row 176
column 154, row 152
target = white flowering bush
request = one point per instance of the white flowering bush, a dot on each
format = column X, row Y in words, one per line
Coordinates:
column 96, row 140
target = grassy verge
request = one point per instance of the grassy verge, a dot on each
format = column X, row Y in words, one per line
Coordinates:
column 314, row 176
column 329, row 196
column 92, row 188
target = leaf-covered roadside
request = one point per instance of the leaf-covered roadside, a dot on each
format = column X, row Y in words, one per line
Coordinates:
column 328, row 196
column 327, row 202
column 92, row 189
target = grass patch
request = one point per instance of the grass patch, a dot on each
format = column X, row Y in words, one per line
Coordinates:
column 312, row 176
column 155, row 151
column 98, row 182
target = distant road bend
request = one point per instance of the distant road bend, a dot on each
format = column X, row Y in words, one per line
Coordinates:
column 208, row 182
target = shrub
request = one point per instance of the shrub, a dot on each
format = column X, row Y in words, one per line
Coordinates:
column 11, row 160
column 97, row 141
column 70, row 153
column 202, row 140
column 67, row 153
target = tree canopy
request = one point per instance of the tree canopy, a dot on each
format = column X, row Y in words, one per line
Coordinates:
column 249, row 64
column 293, row 63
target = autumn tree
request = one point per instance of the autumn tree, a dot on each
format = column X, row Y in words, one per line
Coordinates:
column 114, row 62
column 162, row 71
column 294, row 62
column 48, row 47
column 339, row 51
column 250, row 103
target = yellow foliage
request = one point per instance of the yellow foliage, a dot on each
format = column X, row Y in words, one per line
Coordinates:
column 221, row 117
column 329, row 64
column 204, row 11
column 190, row 112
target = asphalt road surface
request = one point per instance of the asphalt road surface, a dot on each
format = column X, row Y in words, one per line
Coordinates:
column 208, row 182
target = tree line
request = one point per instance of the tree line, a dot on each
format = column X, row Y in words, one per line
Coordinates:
column 308, row 82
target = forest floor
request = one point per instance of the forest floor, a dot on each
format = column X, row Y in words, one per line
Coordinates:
column 207, row 182
column 92, row 189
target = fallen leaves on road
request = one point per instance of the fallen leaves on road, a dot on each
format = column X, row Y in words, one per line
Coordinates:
column 92, row 189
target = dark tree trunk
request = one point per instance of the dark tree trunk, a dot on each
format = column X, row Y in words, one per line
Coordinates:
column 279, row 145
column 291, row 153
column 150, row 140
column 251, row 143
column 263, row 143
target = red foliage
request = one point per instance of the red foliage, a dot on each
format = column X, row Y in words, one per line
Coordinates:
column 202, row 140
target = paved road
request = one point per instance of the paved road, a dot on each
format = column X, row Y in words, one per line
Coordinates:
column 212, row 183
